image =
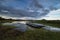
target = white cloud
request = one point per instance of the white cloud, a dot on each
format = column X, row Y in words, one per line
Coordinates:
column 53, row 15
column 31, row 10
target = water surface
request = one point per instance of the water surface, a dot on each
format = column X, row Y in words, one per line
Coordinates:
column 21, row 26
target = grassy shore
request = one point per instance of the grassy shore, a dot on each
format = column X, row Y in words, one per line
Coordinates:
column 55, row 23
column 7, row 33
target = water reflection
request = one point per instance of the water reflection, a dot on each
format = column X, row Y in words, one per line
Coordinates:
column 20, row 25
column 50, row 28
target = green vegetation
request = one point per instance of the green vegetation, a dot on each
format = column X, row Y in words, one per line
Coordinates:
column 7, row 32
column 3, row 20
column 55, row 23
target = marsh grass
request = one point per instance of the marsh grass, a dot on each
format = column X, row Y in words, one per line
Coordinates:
column 7, row 33
column 55, row 23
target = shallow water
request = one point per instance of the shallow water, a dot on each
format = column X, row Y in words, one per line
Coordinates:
column 50, row 28
column 21, row 26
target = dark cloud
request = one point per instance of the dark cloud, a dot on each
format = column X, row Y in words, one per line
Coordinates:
column 35, row 6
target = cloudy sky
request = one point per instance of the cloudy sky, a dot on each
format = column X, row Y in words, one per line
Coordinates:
column 30, row 9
